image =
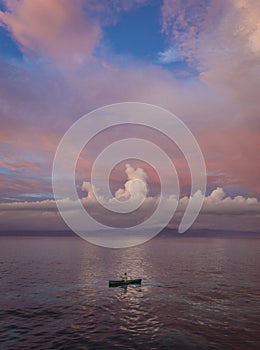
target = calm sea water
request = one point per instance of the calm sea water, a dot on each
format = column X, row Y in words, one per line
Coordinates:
column 197, row 293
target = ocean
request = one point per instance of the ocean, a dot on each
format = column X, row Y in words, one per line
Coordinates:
column 196, row 293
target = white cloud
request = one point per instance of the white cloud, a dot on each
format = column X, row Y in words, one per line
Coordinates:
column 87, row 187
column 135, row 185
column 170, row 55
column 44, row 214
column 218, row 203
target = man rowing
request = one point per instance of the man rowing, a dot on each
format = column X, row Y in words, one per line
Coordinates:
column 124, row 277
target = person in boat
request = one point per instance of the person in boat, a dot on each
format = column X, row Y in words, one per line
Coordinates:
column 124, row 277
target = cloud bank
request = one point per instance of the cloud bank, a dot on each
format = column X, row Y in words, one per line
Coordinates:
column 45, row 214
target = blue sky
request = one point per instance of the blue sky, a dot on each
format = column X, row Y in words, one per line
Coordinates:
column 8, row 46
column 135, row 35
column 132, row 35
column 138, row 35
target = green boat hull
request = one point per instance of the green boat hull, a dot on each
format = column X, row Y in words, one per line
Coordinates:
column 126, row 283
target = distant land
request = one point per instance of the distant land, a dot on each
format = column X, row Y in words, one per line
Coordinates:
column 207, row 233
column 165, row 233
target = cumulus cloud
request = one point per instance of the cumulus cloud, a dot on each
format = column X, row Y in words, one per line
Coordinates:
column 136, row 184
column 216, row 203
column 87, row 187
column 124, row 199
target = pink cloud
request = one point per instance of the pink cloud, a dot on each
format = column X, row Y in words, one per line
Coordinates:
column 23, row 138
column 232, row 153
column 56, row 29
column 38, row 133
column 64, row 31
column 19, row 164
column 222, row 39
column 188, row 16
column 19, row 185
column 39, row 105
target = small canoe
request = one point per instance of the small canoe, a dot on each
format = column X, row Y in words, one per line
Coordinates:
column 122, row 283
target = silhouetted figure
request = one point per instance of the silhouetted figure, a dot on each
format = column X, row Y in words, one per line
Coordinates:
column 124, row 277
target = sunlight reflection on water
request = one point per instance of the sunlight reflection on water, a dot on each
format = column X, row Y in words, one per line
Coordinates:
column 196, row 293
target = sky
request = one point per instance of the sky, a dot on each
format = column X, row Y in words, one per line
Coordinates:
column 199, row 59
